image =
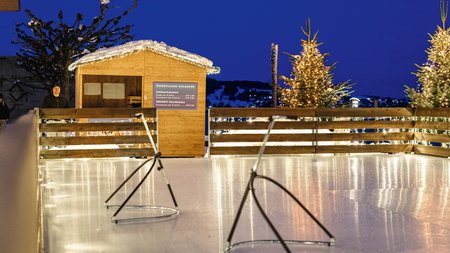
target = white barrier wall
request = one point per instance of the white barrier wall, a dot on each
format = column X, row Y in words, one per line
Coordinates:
column 19, row 188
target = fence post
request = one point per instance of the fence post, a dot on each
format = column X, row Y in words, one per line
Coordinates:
column 315, row 130
column 37, row 121
column 414, row 130
column 208, row 150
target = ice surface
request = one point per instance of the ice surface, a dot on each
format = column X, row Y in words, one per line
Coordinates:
column 371, row 203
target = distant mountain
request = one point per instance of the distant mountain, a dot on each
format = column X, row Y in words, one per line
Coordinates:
column 212, row 84
column 259, row 94
column 238, row 93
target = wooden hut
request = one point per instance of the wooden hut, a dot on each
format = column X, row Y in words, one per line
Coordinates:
column 150, row 74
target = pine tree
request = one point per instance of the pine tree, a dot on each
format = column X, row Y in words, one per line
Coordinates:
column 433, row 88
column 49, row 47
column 311, row 81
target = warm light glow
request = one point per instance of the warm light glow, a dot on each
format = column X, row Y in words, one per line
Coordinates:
column 311, row 81
column 433, row 76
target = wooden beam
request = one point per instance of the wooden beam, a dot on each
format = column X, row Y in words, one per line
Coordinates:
column 274, row 150
column 313, row 137
column 388, row 148
column 432, row 150
column 311, row 125
column 371, row 124
column 261, row 125
column 444, row 138
column 365, row 112
column 433, row 112
column 261, row 112
column 260, row 137
column 77, row 113
column 95, row 153
column 109, row 126
column 9, row 5
column 94, row 140
column 365, row 136
column 432, row 125
column 311, row 112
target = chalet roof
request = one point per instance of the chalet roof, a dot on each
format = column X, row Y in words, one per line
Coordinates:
column 142, row 45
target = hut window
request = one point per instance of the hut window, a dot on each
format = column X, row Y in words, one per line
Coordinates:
column 94, row 89
column 113, row 91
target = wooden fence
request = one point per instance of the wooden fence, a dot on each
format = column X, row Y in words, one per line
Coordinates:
column 240, row 131
column 432, row 132
column 77, row 133
column 95, row 132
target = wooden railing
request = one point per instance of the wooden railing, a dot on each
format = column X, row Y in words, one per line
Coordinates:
column 95, row 132
column 240, row 131
column 432, row 132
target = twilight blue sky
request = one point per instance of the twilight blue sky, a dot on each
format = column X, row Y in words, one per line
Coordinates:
column 375, row 43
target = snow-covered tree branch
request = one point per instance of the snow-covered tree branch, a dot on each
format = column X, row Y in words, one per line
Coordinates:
column 49, row 47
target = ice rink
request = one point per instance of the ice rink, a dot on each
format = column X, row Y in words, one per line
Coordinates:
column 370, row 203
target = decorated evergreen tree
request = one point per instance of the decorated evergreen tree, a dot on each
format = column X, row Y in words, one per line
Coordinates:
column 49, row 47
column 311, row 81
column 433, row 89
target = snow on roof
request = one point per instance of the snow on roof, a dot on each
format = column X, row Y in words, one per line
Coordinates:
column 141, row 45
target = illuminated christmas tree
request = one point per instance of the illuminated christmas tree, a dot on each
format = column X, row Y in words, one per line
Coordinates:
column 433, row 88
column 311, row 81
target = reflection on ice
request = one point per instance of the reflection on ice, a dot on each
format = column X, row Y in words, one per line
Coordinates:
column 371, row 203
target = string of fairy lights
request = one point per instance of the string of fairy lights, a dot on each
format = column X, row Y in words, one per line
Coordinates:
column 433, row 83
column 310, row 84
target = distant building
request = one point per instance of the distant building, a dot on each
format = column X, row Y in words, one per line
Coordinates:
column 354, row 102
column 21, row 90
column 376, row 101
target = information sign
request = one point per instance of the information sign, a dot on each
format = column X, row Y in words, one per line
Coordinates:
column 175, row 96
